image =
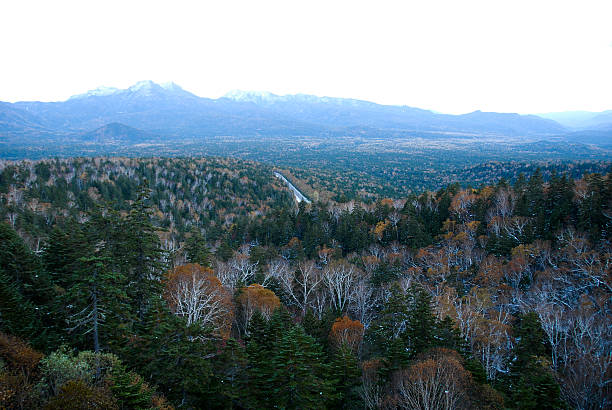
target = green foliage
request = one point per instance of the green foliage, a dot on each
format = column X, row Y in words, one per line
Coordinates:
column 101, row 273
column 61, row 366
column 196, row 249
column 346, row 373
column 141, row 255
column 530, row 383
column 173, row 356
column 97, row 297
column 299, row 378
column 129, row 389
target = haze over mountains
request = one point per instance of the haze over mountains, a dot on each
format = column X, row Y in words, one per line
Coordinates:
column 148, row 110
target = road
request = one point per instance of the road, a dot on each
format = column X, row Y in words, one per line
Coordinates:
column 299, row 197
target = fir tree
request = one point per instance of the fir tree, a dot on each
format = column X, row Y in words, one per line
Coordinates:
column 141, row 256
column 129, row 389
column 196, row 249
column 300, row 379
column 346, row 372
column 530, row 383
column 96, row 295
column 421, row 323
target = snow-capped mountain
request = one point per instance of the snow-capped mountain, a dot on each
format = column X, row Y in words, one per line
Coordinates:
column 167, row 109
column 250, row 96
column 100, row 91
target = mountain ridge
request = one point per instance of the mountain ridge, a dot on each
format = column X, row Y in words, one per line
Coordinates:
column 170, row 110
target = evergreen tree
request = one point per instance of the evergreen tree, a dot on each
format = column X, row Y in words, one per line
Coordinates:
column 227, row 387
column 129, row 389
column 449, row 336
column 346, row 372
column 173, row 356
column 22, row 266
column 259, row 349
column 300, row 379
column 196, row 249
column 142, row 257
column 530, row 383
column 26, row 293
column 421, row 323
column 18, row 315
column 386, row 336
column 97, row 295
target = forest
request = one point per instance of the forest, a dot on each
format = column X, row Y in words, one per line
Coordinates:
column 193, row 283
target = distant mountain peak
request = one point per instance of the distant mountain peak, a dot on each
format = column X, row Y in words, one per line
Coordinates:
column 116, row 131
column 144, row 87
column 171, row 86
column 100, row 91
column 250, row 96
column 141, row 88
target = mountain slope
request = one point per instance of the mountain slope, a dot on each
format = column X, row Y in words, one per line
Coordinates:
column 117, row 133
column 168, row 109
column 582, row 119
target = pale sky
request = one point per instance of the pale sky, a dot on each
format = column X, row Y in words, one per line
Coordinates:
column 451, row 56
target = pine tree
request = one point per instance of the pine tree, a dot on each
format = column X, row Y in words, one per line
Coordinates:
column 96, row 296
column 259, row 349
column 141, row 256
column 26, row 293
column 228, row 384
column 196, row 249
column 17, row 314
column 129, row 389
column 421, row 323
column 300, row 379
column 346, row 372
column 449, row 336
column 530, row 383
column 385, row 336
column 176, row 357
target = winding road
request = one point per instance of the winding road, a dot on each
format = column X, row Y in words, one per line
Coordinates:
column 299, row 197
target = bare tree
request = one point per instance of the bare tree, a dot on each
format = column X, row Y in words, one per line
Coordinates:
column 193, row 292
column 340, row 280
column 436, row 383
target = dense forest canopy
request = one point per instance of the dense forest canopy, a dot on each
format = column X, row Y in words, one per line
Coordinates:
column 200, row 283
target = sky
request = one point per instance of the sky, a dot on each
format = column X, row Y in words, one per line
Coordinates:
column 453, row 56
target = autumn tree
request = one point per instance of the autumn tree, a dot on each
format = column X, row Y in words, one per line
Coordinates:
column 437, row 381
column 346, row 333
column 18, row 372
column 340, row 280
column 196, row 294
column 257, row 298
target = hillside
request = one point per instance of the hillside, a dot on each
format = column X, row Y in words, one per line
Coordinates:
column 199, row 283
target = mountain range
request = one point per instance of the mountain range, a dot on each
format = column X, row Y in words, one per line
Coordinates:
column 147, row 110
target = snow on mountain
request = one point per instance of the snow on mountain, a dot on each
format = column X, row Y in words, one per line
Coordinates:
column 250, row 96
column 100, row 91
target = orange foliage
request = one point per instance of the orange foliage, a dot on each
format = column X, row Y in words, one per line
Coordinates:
column 17, row 381
column 195, row 293
column 380, row 229
column 346, row 332
column 18, row 355
column 256, row 297
column 490, row 272
column 387, row 202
